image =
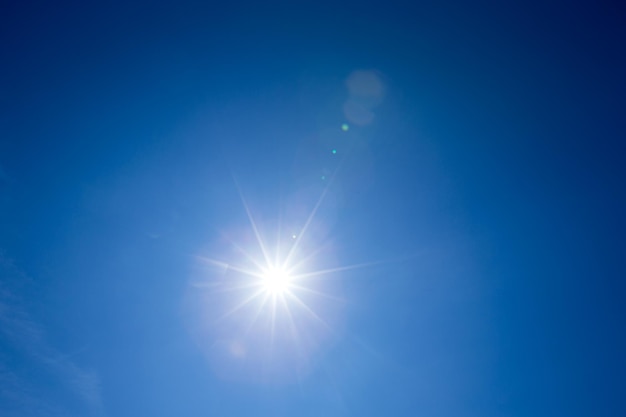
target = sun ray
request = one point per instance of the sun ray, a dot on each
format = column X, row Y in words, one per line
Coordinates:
column 246, row 254
column 292, row 326
column 311, row 217
column 292, row 323
column 220, row 287
column 338, row 269
column 214, row 262
column 241, row 305
column 278, row 238
column 254, row 226
column 273, row 322
column 306, row 259
column 257, row 313
column 304, row 229
column 245, row 271
column 318, row 293
column 228, row 266
column 308, row 309
column 240, row 249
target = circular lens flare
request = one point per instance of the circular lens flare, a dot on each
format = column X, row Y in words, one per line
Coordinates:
column 276, row 281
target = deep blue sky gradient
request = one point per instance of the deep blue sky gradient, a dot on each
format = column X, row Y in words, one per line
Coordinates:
column 490, row 179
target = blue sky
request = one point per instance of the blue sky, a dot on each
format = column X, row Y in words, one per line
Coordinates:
column 445, row 181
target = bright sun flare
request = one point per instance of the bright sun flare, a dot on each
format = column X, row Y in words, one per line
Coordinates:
column 276, row 281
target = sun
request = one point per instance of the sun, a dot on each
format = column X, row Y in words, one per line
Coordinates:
column 276, row 281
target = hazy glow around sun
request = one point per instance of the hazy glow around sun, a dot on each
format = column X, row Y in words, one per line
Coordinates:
column 271, row 301
column 276, row 281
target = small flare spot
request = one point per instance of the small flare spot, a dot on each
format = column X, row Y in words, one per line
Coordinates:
column 334, row 151
column 293, row 236
column 345, row 127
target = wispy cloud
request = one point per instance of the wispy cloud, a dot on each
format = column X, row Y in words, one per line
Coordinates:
column 25, row 336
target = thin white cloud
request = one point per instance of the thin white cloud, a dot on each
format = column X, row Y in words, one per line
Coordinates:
column 20, row 395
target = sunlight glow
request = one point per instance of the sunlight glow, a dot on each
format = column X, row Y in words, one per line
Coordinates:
column 269, row 297
column 276, row 281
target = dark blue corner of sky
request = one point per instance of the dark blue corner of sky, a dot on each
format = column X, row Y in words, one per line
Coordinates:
column 450, row 173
